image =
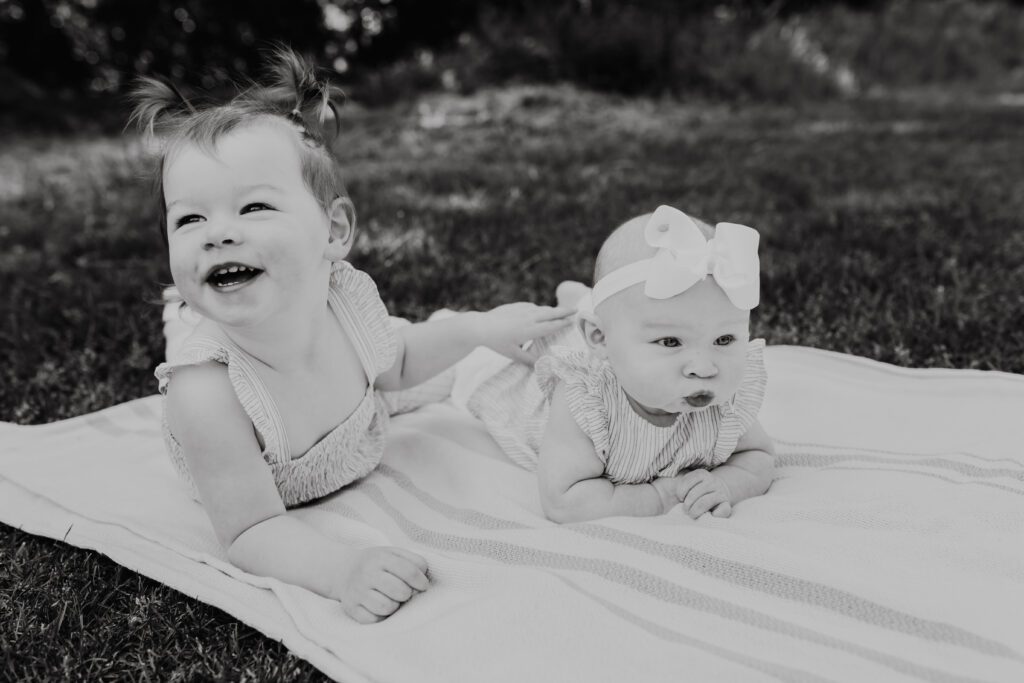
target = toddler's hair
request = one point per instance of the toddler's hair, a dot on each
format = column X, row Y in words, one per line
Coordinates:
column 626, row 245
column 292, row 94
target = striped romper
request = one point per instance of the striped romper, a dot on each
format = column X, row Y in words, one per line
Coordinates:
column 514, row 404
column 347, row 453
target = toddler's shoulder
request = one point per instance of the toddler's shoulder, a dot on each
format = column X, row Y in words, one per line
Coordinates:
column 202, row 398
column 200, row 384
column 205, row 345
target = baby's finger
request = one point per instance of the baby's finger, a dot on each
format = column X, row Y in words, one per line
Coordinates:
column 699, row 488
column 393, row 587
column 704, row 503
column 379, row 604
column 722, row 510
column 687, row 481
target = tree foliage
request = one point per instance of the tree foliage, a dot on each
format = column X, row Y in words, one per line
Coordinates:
column 96, row 43
column 731, row 48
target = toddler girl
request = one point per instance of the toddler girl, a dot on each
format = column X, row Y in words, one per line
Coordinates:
column 274, row 399
column 657, row 404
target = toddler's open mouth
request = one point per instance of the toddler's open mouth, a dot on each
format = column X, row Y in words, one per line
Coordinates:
column 229, row 274
column 699, row 399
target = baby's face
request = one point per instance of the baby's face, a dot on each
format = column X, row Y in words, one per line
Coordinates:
column 246, row 236
column 676, row 355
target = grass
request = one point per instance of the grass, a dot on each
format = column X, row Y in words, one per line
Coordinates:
column 891, row 229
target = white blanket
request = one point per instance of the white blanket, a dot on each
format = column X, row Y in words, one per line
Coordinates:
column 889, row 548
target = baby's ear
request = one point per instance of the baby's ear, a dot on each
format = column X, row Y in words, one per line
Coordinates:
column 593, row 334
column 342, row 216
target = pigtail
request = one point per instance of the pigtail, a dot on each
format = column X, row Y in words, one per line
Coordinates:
column 158, row 103
column 295, row 85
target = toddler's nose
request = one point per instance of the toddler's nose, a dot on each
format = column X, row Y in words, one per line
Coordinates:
column 220, row 234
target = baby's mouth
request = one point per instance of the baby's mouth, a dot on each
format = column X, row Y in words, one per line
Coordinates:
column 229, row 274
column 699, row 399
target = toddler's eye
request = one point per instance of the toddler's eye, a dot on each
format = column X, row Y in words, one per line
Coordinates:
column 725, row 340
column 185, row 220
column 255, row 206
column 669, row 342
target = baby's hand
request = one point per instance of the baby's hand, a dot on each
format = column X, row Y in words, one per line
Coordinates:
column 378, row 581
column 700, row 491
column 506, row 328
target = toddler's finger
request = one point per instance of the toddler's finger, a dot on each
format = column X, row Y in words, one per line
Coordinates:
column 521, row 356
column 559, row 312
column 722, row 510
column 393, row 587
column 362, row 615
column 379, row 604
column 412, row 575
column 410, row 556
column 544, row 328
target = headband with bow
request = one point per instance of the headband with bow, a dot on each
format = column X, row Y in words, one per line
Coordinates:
column 685, row 257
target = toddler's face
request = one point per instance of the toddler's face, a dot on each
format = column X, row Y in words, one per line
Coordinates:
column 676, row 355
column 246, row 236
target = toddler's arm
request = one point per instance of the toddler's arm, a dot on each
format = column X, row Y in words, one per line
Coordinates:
column 241, row 499
column 747, row 473
column 427, row 348
column 571, row 477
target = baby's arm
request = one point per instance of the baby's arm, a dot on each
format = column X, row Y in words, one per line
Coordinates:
column 571, row 477
column 427, row 348
column 241, row 499
column 747, row 473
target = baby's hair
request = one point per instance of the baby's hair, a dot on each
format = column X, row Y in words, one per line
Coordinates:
column 626, row 245
column 292, row 94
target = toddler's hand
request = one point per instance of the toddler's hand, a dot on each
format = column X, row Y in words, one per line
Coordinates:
column 701, row 491
column 378, row 581
column 506, row 328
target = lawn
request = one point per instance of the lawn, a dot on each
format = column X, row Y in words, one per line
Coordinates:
column 890, row 229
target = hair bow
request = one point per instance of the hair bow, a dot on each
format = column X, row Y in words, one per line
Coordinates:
column 685, row 257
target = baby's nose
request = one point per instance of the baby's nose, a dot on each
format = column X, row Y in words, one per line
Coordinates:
column 700, row 367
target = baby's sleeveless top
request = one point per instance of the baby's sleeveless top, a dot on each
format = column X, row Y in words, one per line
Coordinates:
column 348, row 452
column 514, row 405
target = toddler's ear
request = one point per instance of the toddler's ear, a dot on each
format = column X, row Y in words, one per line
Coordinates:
column 342, row 215
column 593, row 335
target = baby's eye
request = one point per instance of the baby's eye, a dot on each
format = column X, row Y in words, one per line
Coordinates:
column 185, row 220
column 256, row 206
column 725, row 340
column 669, row 342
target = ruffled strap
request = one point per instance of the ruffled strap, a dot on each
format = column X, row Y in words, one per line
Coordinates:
column 357, row 303
column 741, row 412
column 198, row 348
column 256, row 401
column 587, row 382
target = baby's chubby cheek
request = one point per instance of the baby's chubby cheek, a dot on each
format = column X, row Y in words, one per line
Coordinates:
column 732, row 378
